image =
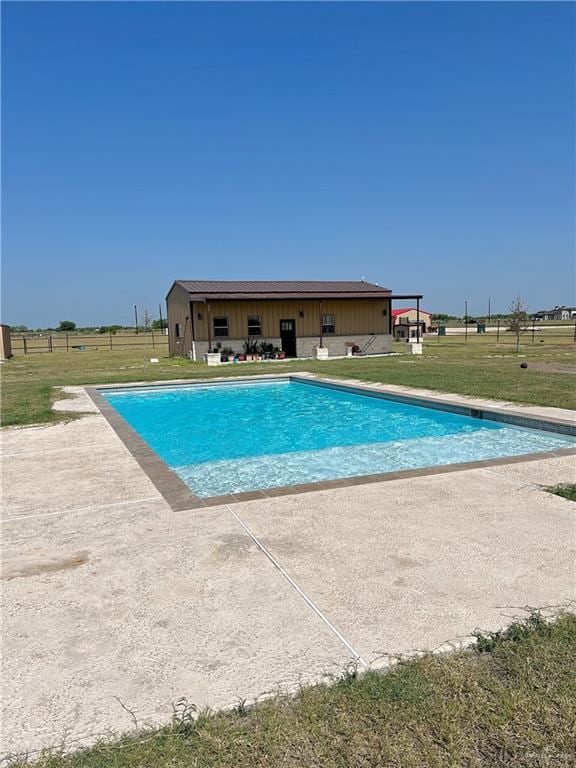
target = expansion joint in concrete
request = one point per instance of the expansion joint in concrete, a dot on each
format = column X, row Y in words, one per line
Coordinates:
column 303, row 595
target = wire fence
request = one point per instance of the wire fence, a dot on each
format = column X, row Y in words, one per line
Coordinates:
column 500, row 334
column 28, row 344
column 37, row 343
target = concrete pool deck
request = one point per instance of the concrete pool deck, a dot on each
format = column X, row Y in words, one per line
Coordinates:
column 111, row 598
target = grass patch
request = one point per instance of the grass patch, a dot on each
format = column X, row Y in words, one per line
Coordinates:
column 511, row 701
column 566, row 490
column 480, row 368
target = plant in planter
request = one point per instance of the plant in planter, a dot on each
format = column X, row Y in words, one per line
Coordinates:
column 250, row 349
column 266, row 350
column 227, row 354
column 281, row 354
column 213, row 356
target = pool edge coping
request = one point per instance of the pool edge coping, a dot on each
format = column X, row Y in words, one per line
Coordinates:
column 173, row 490
column 180, row 497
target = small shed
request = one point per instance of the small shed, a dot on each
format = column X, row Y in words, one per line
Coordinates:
column 5, row 342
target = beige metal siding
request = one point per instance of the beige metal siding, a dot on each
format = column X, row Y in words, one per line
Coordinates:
column 178, row 310
column 352, row 316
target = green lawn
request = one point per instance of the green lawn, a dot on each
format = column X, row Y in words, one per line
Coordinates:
column 481, row 367
column 509, row 702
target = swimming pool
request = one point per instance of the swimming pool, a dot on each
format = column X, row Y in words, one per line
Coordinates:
column 226, row 438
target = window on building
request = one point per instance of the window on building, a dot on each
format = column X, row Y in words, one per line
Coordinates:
column 254, row 325
column 177, row 330
column 328, row 325
column 221, row 327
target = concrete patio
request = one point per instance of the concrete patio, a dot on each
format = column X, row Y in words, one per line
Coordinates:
column 110, row 598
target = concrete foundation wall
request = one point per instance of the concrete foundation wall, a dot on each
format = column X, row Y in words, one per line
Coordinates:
column 236, row 344
column 306, row 346
column 338, row 345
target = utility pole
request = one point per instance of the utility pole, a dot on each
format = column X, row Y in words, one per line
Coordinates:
column 466, row 321
column 161, row 322
column 136, row 318
column 489, row 313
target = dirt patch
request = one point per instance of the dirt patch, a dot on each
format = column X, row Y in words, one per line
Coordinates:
column 34, row 566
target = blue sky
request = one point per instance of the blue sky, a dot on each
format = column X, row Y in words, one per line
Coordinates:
column 428, row 147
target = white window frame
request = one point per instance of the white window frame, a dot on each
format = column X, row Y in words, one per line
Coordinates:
column 326, row 325
column 254, row 317
column 215, row 330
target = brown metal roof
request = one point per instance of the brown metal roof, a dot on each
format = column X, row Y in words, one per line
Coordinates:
column 283, row 289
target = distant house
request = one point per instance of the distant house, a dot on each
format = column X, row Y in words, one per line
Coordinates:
column 405, row 322
column 295, row 316
column 558, row 313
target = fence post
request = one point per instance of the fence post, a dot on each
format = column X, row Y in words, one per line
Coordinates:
column 575, row 332
column 533, row 322
column 110, row 334
column 498, row 331
column 67, row 344
column 50, row 344
column 25, row 345
column 152, row 339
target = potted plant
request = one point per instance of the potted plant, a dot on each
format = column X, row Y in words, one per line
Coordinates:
column 213, row 356
column 267, row 350
column 281, row 355
column 227, row 354
column 250, row 348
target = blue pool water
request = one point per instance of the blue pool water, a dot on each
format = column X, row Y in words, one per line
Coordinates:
column 229, row 438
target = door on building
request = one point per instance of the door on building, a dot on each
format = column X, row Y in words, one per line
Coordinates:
column 288, row 337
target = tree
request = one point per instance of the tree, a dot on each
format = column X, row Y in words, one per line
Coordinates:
column 147, row 318
column 67, row 325
column 518, row 321
column 159, row 325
